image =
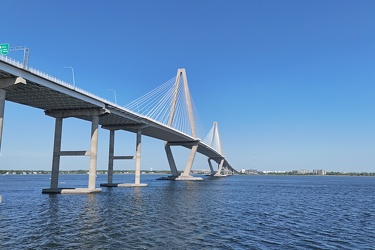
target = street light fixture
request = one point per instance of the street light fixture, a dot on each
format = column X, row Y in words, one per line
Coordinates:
column 114, row 93
column 69, row 67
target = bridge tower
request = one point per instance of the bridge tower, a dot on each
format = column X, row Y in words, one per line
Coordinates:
column 214, row 141
column 181, row 77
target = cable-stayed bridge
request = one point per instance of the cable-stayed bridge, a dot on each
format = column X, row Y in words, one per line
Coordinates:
column 165, row 113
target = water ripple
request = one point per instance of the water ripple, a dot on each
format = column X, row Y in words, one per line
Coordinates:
column 240, row 212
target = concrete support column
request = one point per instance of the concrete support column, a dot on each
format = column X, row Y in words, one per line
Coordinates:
column 186, row 174
column 2, row 108
column 56, row 153
column 111, row 154
column 93, row 152
column 138, row 158
column 225, row 170
column 211, row 168
column 220, row 168
column 172, row 164
column 189, row 163
column 112, row 158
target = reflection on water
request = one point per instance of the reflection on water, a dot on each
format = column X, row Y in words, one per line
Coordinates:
column 238, row 212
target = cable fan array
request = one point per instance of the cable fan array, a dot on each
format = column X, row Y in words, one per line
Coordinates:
column 157, row 105
column 213, row 139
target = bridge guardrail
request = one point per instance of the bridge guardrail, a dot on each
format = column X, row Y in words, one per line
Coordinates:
column 79, row 90
column 51, row 78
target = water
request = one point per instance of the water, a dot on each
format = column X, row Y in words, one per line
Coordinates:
column 237, row 212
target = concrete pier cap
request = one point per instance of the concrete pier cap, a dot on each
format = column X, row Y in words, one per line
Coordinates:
column 71, row 190
column 188, row 178
column 123, row 185
column 180, row 178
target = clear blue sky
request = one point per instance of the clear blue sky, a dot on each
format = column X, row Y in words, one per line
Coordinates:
column 291, row 83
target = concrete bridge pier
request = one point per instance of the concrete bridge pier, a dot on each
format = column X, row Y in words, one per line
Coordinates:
column 112, row 157
column 226, row 171
column 218, row 173
column 186, row 174
column 2, row 108
column 57, row 153
column 110, row 161
column 213, row 172
column 172, row 163
column 93, row 155
column 221, row 167
column 7, row 84
column 189, row 164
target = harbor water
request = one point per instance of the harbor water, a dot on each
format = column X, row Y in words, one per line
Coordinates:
column 235, row 212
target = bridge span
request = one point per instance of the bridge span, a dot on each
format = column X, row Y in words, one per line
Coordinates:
column 60, row 100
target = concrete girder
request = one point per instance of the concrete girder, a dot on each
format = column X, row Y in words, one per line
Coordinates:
column 188, row 144
column 49, row 83
column 124, row 127
column 11, row 82
column 77, row 112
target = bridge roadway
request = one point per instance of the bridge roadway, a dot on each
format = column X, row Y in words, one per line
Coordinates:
column 61, row 100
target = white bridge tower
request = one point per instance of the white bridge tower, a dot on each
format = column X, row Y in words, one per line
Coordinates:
column 193, row 145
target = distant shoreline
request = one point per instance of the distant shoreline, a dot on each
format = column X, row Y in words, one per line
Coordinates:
column 104, row 172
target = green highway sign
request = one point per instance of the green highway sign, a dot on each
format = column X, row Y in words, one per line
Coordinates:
column 4, row 48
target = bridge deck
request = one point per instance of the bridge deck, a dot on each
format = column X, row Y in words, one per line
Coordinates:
column 43, row 92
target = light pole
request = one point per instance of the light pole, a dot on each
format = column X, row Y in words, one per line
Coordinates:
column 114, row 93
column 69, row 67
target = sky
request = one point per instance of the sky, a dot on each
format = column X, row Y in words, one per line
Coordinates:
column 291, row 83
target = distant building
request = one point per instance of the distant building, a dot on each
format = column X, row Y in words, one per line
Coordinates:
column 319, row 172
column 251, row 171
column 301, row 171
column 273, row 172
column 201, row 171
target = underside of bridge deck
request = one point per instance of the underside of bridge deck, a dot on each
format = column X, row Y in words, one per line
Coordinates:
column 61, row 100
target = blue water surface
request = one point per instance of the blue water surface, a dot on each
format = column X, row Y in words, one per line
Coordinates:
column 236, row 212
